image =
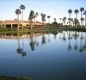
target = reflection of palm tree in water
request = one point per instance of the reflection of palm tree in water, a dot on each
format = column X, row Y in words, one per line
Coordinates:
column 81, row 47
column 75, row 37
column 43, row 39
column 69, row 46
column 54, row 33
column 49, row 37
column 64, row 36
column 84, row 46
column 32, row 43
column 69, row 37
column 36, row 40
column 23, row 51
column 19, row 49
column 60, row 35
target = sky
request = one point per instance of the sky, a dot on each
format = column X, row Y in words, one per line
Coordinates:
column 54, row 8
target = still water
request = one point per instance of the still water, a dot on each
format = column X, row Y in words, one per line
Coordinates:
column 44, row 56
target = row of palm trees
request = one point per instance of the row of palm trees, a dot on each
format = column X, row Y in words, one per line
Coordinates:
column 33, row 16
column 83, row 12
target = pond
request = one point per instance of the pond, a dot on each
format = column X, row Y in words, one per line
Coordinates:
column 44, row 55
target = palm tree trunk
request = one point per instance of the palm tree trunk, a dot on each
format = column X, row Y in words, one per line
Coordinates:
column 18, row 22
column 18, row 17
column 31, row 24
column 69, row 19
column 76, row 15
column 81, row 19
column 22, row 15
column 60, row 22
column 76, row 18
column 85, row 21
column 48, row 21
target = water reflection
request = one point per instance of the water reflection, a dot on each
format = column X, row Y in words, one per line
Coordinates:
column 20, row 48
column 53, row 53
column 75, row 40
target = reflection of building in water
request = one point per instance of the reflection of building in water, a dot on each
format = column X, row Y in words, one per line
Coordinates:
column 15, row 35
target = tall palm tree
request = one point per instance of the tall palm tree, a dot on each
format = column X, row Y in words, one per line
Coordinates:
column 18, row 12
column 31, row 17
column 36, row 15
column 85, row 18
column 69, row 11
column 76, row 12
column 81, row 9
column 22, row 7
column 48, row 19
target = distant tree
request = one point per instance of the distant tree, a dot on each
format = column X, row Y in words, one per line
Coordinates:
column 54, row 19
column 82, row 19
column 81, row 9
column 76, row 22
column 69, row 11
column 60, row 21
column 43, row 16
column 31, row 17
column 64, row 20
column 22, row 7
column 55, row 24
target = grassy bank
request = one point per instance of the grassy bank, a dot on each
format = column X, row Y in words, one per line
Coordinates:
column 14, row 78
column 42, row 29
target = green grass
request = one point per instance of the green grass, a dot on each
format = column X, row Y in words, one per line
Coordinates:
column 7, row 30
column 14, row 78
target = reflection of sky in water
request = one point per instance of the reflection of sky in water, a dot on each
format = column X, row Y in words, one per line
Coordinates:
column 54, row 56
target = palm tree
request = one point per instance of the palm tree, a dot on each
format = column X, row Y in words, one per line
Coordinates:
column 22, row 7
column 76, row 12
column 76, row 20
column 81, row 9
column 36, row 15
column 43, row 18
column 48, row 19
column 69, row 11
column 18, row 12
column 85, row 18
column 31, row 17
